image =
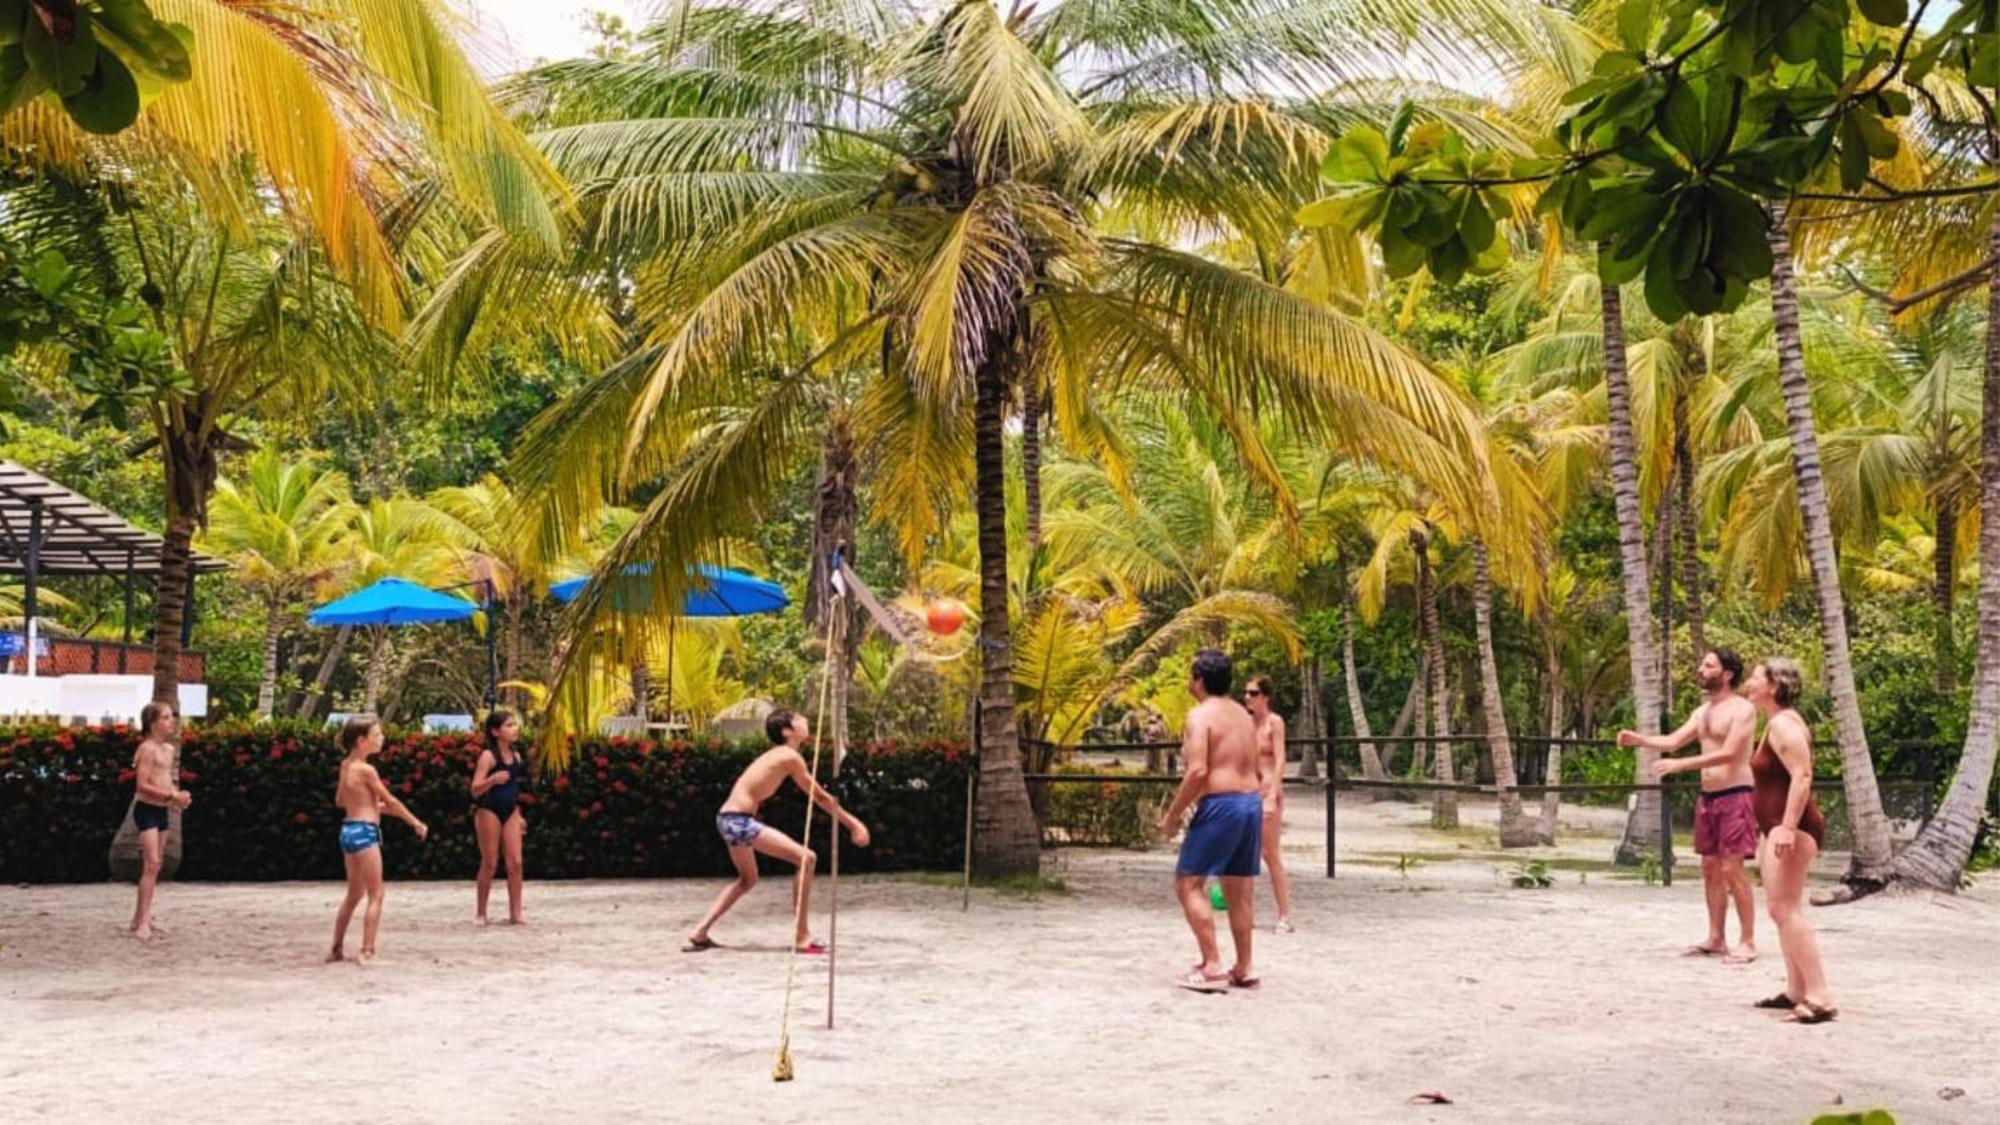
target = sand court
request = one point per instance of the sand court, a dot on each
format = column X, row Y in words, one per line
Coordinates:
column 1561, row 1004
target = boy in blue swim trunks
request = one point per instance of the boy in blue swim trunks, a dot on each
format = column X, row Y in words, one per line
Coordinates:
column 362, row 796
column 1219, row 748
column 746, row 836
column 153, row 777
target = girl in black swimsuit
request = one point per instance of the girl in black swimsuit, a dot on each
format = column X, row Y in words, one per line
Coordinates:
column 497, row 782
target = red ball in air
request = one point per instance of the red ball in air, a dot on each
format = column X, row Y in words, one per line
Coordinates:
column 945, row 617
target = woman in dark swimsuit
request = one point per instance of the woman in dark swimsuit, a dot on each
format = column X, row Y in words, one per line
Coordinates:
column 1791, row 832
column 497, row 782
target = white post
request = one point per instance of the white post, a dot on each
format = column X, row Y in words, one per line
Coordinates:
column 31, row 646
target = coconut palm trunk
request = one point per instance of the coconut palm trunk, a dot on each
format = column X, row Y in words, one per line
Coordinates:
column 1558, row 715
column 1516, row 830
column 1007, row 840
column 1357, row 712
column 267, row 675
column 835, row 512
column 1871, row 856
column 378, row 664
column 327, row 664
column 1936, row 859
column 1031, row 460
column 1444, row 802
column 1643, row 825
column 1690, row 547
column 1311, row 717
column 1944, row 592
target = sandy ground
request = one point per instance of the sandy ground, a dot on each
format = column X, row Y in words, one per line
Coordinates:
column 1565, row 1004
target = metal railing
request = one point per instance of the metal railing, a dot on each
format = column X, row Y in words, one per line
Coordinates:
column 65, row 656
column 1915, row 780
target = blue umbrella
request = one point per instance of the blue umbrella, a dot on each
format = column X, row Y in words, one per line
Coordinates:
column 720, row 592
column 392, row 601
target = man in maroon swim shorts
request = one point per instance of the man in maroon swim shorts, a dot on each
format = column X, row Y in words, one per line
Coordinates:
column 1725, row 818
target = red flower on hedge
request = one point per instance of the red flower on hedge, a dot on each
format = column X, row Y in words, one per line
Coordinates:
column 125, row 776
column 618, row 787
column 562, row 784
column 277, row 753
column 300, row 818
column 187, row 777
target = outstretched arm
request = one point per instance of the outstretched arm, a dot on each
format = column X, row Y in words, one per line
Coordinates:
column 803, row 778
column 389, row 801
column 1665, row 743
column 1735, row 748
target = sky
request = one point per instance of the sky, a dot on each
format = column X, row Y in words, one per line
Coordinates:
column 515, row 33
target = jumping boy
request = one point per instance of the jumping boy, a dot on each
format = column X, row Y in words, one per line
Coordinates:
column 746, row 835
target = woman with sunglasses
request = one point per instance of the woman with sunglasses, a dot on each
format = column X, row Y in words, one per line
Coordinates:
column 1271, row 768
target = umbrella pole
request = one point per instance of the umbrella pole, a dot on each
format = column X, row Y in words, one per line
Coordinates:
column 670, row 673
column 492, row 660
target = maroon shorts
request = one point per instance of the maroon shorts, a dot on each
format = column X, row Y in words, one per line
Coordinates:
column 1725, row 823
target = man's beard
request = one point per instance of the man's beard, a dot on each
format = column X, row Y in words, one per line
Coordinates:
column 1709, row 683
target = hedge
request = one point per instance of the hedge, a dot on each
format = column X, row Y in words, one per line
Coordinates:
column 263, row 806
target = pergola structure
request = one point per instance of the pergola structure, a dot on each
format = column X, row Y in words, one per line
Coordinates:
column 48, row 530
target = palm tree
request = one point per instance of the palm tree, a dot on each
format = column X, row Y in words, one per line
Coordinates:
column 481, row 521
column 311, row 129
column 1870, row 859
column 932, row 202
column 283, row 530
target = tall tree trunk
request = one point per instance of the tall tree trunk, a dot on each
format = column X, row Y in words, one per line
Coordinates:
column 835, row 509
column 1516, row 831
column 1664, row 522
column 1312, row 725
column 1944, row 593
column 378, row 654
column 517, row 606
column 1558, row 728
column 1871, row 856
column 267, row 676
column 1357, row 711
column 1412, row 710
column 1420, row 719
column 1444, row 802
column 1643, row 825
column 190, row 459
column 642, row 690
column 1690, row 543
column 1937, row 857
column 1007, row 839
column 1031, row 459
column 334, row 651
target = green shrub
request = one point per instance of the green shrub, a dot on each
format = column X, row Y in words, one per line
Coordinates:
column 263, row 806
column 1098, row 813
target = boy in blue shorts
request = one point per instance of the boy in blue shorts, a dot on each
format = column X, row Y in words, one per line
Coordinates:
column 1219, row 748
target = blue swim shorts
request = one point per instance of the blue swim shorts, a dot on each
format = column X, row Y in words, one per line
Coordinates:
column 1224, row 837
column 359, row 835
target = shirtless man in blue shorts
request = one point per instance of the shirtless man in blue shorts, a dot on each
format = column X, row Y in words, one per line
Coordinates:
column 739, row 827
column 1219, row 749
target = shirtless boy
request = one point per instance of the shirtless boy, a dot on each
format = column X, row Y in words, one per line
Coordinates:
column 747, row 836
column 1725, row 819
column 362, row 796
column 153, row 772
column 1219, row 748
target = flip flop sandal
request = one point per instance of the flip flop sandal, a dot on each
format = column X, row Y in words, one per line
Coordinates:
column 1778, row 1003
column 1244, row 982
column 700, row 945
column 1813, row 1013
column 1702, row 951
column 814, row 946
column 1197, row 981
column 1739, row 959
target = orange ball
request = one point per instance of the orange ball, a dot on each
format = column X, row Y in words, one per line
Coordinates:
column 945, row 617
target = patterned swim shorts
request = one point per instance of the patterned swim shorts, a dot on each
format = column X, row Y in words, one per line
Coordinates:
column 737, row 829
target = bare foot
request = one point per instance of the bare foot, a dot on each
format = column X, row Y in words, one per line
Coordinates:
column 367, row 958
column 335, row 954
column 144, row 932
column 1709, row 948
column 480, row 920
column 518, row 920
column 160, row 926
column 1743, row 954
